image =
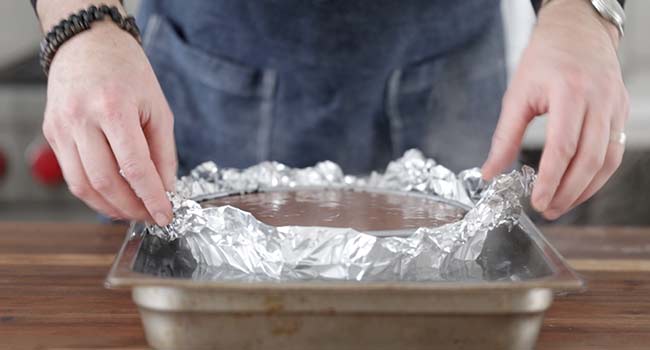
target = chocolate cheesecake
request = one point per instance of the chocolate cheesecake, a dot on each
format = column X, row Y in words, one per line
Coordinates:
column 358, row 209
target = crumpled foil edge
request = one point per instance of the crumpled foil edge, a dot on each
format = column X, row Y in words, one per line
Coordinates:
column 230, row 244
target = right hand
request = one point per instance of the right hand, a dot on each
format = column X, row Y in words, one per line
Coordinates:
column 106, row 112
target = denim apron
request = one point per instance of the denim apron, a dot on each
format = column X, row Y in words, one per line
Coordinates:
column 357, row 82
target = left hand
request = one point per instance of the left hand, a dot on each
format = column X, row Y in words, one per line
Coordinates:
column 570, row 71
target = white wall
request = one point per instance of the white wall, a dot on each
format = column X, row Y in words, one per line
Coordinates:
column 19, row 30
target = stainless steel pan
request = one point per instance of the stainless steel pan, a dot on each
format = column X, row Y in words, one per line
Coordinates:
column 497, row 302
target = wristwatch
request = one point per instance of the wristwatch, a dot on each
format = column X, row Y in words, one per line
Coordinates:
column 612, row 11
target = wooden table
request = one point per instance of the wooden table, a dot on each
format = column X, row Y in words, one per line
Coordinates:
column 52, row 294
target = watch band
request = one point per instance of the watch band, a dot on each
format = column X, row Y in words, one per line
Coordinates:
column 537, row 4
column 612, row 11
column 79, row 22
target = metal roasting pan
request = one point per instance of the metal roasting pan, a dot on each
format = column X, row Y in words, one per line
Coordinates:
column 499, row 306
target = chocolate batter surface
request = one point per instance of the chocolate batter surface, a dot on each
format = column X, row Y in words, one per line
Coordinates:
column 361, row 210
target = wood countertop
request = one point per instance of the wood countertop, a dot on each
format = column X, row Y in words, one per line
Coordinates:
column 52, row 294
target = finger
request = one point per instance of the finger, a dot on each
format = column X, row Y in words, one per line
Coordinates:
column 103, row 174
column 159, row 132
column 74, row 175
column 516, row 113
column 612, row 162
column 131, row 151
column 562, row 134
column 614, row 155
column 587, row 162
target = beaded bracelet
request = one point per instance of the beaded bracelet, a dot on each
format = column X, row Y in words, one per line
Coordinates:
column 77, row 23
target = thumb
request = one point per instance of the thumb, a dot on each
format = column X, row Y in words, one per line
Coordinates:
column 516, row 113
column 159, row 131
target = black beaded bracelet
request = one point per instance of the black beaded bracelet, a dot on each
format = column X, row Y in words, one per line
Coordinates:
column 77, row 23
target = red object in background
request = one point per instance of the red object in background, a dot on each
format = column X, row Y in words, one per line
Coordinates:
column 3, row 164
column 45, row 167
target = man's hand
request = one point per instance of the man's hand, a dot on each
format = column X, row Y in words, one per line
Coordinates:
column 106, row 113
column 571, row 72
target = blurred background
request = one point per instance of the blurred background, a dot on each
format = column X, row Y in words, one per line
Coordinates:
column 32, row 188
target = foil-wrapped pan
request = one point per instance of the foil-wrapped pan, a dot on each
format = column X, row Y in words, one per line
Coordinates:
column 231, row 244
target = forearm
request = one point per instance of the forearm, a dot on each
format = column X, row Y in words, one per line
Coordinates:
column 51, row 12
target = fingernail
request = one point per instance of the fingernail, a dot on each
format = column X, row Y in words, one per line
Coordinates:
column 541, row 202
column 485, row 170
column 552, row 214
column 485, row 175
column 115, row 216
column 161, row 219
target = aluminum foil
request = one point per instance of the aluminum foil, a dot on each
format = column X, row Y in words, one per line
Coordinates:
column 230, row 244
